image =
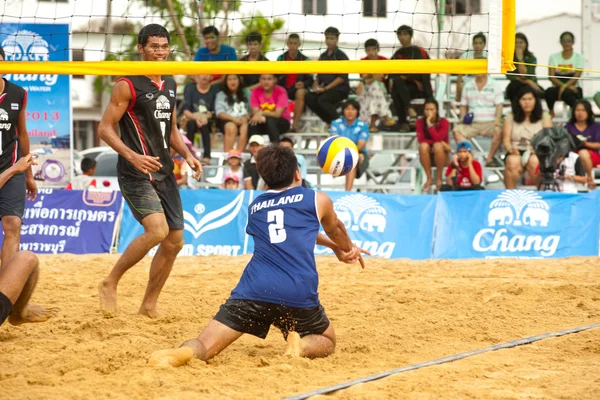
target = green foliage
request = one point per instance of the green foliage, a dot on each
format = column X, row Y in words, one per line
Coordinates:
column 263, row 25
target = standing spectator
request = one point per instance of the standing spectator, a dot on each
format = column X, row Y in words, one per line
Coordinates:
column 270, row 112
column 479, row 43
column 354, row 129
column 234, row 162
column 464, row 172
column 86, row 180
column 251, row 176
column 527, row 72
column 405, row 88
column 199, row 109
column 231, row 182
column 481, row 113
column 329, row 90
column 587, row 136
column 214, row 51
column 254, row 44
column 289, row 142
column 297, row 85
column 231, row 107
column 432, row 135
column 564, row 79
column 372, row 92
column 526, row 120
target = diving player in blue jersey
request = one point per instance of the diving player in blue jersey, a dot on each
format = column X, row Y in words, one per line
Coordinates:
column 279, row 285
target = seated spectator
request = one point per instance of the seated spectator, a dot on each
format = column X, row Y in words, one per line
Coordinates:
column 526, row 73
column 231, row 107
column 563, row 77
column 481, row 113
column 214, row 51
column 464, row 172
column 179, row 170
column 372, row 92
column 329, row 90
column 231, row 181
column 199, row 109
column 251, row 176
column 297, row 85
column 526, row 120
column 289, row 142
column 569, row 175
column 254, row 44
column 354, row 129
column 405, row 88
column 234, row 162
column 270, row 112
column 86, row 180
column 432, row 135
column 479, row 42
column 587, row 137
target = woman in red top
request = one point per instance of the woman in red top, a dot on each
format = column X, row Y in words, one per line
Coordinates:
column 432, row 135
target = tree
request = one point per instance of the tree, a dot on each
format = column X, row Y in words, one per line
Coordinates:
column 263, row 25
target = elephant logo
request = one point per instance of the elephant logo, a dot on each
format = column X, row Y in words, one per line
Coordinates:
column 26, row 45
column 361, row 212
column 518, row 208
column 3, row 115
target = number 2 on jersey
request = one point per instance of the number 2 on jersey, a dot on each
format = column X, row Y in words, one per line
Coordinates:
column 163, row 128
column 277, row 232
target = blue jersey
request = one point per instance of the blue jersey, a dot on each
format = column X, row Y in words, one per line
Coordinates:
column 284, row 225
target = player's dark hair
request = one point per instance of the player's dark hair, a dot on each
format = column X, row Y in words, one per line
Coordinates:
column 519, row 115
column 522, row 36
column 277, row 166
column 87, row 164
column 254, row 37
column 371, row 43
column 351, row 102
column 287, row 139
column 332, row 31
column 152, row 30
column 405, row 28
column 588, row 109
column 567, row 33
column 481, row 36
column 433, row 101
column 239, row 93
column 2, row 53
column 210, row 29
column 294, row 36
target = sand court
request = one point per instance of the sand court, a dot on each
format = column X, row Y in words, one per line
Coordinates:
column 392, row 314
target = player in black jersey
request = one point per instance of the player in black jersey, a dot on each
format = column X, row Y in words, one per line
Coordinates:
column 14, row 141
column 144, row 108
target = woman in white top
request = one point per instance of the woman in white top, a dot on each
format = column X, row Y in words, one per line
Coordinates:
column 565, row 82
column 519, row 128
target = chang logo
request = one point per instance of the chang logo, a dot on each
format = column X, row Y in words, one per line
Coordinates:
column 3, row 115
column 162, row 103
column 519, row 209
column 26, row 45
column 214, row 219
column 360, row 212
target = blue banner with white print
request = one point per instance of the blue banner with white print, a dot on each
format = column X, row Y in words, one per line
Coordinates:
column 517, row 223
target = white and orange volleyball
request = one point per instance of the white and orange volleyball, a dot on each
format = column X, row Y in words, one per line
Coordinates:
column 337, row 155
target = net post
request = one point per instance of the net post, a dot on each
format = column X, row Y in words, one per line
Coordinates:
column 495, row 39
column 509, row 29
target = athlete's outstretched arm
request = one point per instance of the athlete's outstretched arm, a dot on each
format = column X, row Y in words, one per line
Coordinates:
column 119, row 102
column 346, row 257
column 22, row 165
column 25, row 148
column 179, row 146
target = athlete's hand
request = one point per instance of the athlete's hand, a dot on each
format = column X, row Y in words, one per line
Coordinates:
column 195, row 166
column 146, row 164
column 352, row 256
column 31, row 187
column 25, row 162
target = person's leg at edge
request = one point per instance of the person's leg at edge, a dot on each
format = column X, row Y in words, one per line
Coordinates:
column 350, row 176
column 299, row 107
column 441, row 160
column 551, row 95
column 586, row 159
column 12, row 237
column 311, row 346
column 496, row 142
column 512, row 171
column 230, row 131
column 205, row 131
column 425, row 158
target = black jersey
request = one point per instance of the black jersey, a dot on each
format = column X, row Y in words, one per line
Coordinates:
column 12, row 101
column 146, row 126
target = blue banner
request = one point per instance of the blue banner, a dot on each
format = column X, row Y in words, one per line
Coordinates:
column 48, row 113
column 517, row 223
column 65, row 221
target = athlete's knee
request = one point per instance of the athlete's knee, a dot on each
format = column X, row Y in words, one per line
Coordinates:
column 173, row 242
column 157, row 229
column 11, row 225
column 26, row 261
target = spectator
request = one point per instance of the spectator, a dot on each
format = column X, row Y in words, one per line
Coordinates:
column 564, row 79
column 179, row 170
column 478, row 52
column 297, row 85
column 372, row 92
column 231, row 182
column 270, row 112
column 254, row 44
column 251, row 176
column 569, row 175
column 526, row 73
column 354, row 129
column 231, row 107
column 234, row 160
column 214, row 51
column 405, row 88
column 526, row 120
column 289, row 142
column 199, row 109
column 464, row 172
column 432, row 135
column 481, row 113
column 329, row 90
column 86, row 180
column 587, row 137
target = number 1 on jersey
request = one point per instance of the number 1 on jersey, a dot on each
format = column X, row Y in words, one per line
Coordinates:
column 163, row 128
column 277, row 232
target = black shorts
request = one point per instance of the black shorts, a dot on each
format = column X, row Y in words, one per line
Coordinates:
column 256, row 317
column 145, row 198
column 12, row 197
column 291, row 91
column 6, row 307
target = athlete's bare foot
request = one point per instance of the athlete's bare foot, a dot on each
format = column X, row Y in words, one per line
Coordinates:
column 172, row 357
column 108, row 299
column 293, row 345
column 150, row 312
column 33, row 313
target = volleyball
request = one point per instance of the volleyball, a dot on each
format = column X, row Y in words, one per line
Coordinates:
column 337, row 155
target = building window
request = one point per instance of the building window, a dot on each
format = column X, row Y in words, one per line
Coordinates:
column 317, row 7
column 83, row 133
column 463, row 7
column 375, row 8
column 78, row 55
